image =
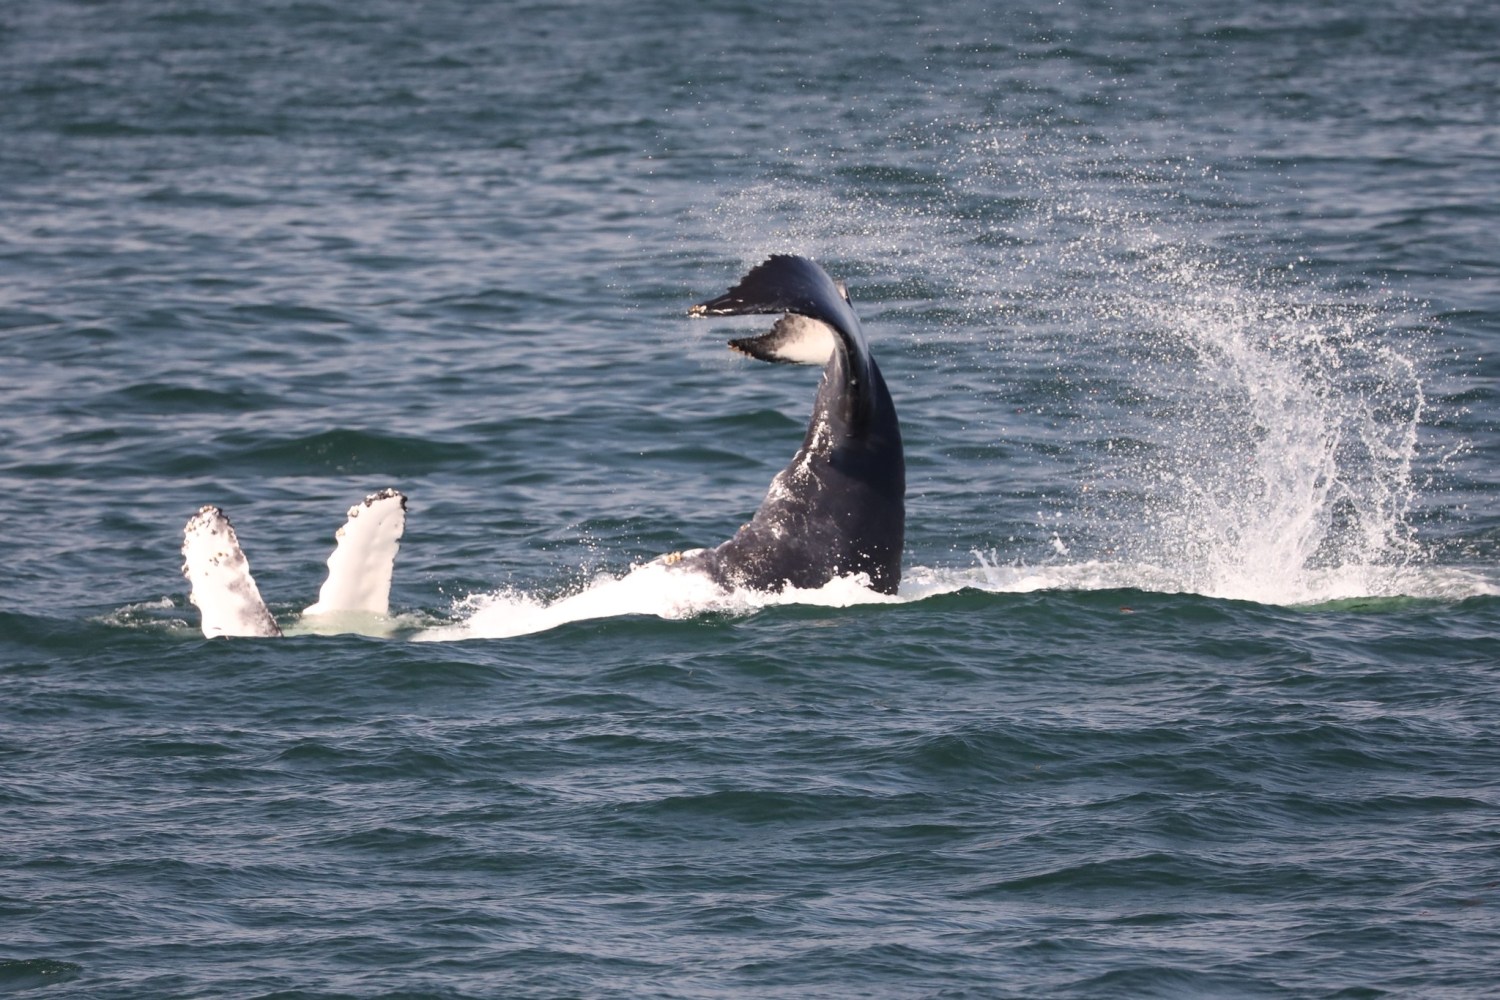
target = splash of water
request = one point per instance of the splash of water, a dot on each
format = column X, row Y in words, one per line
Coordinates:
column 656, row 592
column 653, row 590
column 1279, row 438
column 1238, row 430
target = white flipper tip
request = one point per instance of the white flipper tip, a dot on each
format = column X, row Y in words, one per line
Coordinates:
column 359, row 570
column 222, row 587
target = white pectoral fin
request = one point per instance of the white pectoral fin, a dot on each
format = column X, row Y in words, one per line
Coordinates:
column 795, row 340
column 222, row 587
column 359, row 570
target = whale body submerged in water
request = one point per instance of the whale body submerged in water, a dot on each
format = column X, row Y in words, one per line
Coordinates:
column 837, row 509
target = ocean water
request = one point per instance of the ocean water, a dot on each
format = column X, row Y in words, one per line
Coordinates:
column 1191, row 314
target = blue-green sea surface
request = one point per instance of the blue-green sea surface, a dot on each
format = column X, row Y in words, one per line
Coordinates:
column 1190, row 313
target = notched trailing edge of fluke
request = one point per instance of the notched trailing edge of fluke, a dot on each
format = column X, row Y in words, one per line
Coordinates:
column 818, row 315
column 780, row 283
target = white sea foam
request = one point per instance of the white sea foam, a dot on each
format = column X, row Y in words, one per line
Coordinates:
column 666, row 593
column 157, row 614
column 653, row 589
column 1347, row 582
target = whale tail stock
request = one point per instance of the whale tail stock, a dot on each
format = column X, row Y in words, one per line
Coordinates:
column 839, row 507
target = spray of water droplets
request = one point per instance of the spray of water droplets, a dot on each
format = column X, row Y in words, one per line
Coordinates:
column 1203, row 415
column 1230, row 425
column 1276, row 436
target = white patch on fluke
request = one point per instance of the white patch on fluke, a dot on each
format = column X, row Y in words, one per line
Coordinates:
column 795, row 339
column 222, row 587
column 359, row 570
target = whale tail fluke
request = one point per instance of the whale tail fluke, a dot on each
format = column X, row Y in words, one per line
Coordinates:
column 818, row 315
column 782, row 283
column 819, row 327
column 360, row 568
column 222, row 587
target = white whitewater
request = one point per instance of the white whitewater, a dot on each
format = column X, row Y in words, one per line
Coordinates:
column 662, row 592
column 656, row 589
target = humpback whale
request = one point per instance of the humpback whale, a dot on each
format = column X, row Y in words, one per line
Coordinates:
column 359, row 571
column 839, row 507
column 225, row 593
